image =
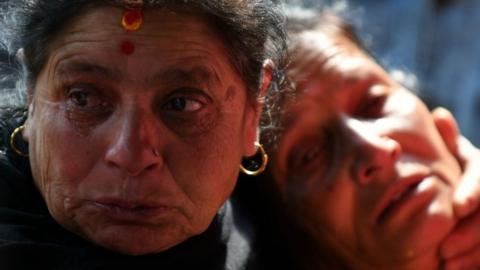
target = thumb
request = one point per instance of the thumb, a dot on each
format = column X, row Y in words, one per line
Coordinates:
column 467, row 194
column 447, row 127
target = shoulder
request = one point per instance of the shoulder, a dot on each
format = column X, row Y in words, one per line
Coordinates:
column 254, row 201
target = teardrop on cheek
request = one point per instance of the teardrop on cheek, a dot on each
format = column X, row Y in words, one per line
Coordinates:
column 127, row 47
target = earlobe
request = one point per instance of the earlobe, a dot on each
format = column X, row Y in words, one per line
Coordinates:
column 447, row 127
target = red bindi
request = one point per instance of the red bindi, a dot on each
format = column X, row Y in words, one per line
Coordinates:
column 127, row 47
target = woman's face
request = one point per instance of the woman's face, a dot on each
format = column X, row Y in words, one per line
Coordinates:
column 136, row 137
column 361, row 162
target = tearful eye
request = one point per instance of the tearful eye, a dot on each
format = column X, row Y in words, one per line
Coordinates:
column 183, row 104
column 188, row 111
column 87, row 106
column 83, row 97
column 80, row 98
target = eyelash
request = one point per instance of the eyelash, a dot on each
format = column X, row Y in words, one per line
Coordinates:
column 86, row 105
column 75, row 92
column 174, row 103
column 185, row 101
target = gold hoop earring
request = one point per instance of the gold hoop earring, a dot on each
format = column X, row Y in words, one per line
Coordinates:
column 12, row 141
column 262, row 167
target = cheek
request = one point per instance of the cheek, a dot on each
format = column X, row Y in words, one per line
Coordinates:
column 58, row 160
column 333, row 210
column 206, row 166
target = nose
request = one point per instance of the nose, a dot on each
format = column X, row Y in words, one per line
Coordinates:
column 374, row 154
column 132, row 149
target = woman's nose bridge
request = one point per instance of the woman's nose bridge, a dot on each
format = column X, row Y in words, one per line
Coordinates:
column 375, row 151
column 371, row 136
column 136, row 129
column 134, row 148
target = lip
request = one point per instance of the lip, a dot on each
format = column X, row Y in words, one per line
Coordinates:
column 398, row 196
column 135, row 211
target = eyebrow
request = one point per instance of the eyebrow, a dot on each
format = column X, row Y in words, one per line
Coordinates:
column 80, row 67
column 199, row 74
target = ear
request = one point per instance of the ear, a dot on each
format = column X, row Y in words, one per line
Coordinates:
column 27, row 132
column 254, row 110
column 447, row 127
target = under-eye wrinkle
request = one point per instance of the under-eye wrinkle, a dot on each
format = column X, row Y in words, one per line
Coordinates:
column 188, row 111
column 85, row 107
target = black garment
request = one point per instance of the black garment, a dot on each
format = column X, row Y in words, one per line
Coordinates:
column 31, row 239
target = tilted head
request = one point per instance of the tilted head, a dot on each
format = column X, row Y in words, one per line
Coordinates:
column 360, row 165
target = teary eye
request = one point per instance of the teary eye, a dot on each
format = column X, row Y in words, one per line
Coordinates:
column 84, row 97
column 180, row 103
column 86, row 106
column 80, row 98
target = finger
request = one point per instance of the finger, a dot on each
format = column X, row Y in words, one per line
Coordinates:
column 464, row 237
column 467, row 195
column 466, row 261
column 447, row 127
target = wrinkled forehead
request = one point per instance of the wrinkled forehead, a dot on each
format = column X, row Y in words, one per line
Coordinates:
column 154, row 20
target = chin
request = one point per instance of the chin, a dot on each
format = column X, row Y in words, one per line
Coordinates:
column 136, row 249
column 136, row 240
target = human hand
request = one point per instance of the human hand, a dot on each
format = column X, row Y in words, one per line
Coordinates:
column 467, row 194
column 461, row 249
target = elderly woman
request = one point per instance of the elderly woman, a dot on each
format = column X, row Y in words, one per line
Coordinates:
column 139, row 114
column 363, row 169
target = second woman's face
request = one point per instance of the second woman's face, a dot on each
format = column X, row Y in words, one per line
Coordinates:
column 361, row 162
column 136, row 137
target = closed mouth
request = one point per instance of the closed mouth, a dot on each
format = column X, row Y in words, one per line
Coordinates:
column 397, row 196
column 136, row 211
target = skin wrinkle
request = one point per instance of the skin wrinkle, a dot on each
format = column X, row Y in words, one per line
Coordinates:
column 185, row 140
column 79, row 36
column 199, row 71
column 199, row 124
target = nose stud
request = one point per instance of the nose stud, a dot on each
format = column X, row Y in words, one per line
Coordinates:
column 156, row 152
